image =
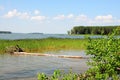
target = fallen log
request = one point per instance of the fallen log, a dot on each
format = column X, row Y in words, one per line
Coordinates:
column 41, row 54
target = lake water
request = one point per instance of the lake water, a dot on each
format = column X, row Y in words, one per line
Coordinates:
column 14, row 36
column 27, row 67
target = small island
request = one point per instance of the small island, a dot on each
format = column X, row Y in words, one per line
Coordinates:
column 36, row 33
column 5, row 32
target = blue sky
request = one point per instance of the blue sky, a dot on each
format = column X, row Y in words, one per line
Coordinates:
column 56, row 16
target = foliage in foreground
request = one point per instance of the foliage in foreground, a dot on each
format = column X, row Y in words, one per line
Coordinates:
column 105, row 63
column 106, row 58
column 58, row 75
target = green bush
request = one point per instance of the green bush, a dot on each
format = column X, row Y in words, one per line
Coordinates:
column 58, row 75
column 105, row 57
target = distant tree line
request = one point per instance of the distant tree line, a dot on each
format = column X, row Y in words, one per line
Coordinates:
column 5, row 32
column 97, row 30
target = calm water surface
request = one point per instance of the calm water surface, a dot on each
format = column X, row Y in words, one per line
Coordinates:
column 27, row 67
column 14, row 36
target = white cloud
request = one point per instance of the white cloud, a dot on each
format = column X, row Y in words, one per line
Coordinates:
column 12, row 13
column 36, row 12
column 70, row 16
column 107, row 18
column 97, row 20
column 24, row 15
column 85, row 20
column 38, row 18
column 82, row 17
column 15, row 13
column 76, row 19
column 60, row 17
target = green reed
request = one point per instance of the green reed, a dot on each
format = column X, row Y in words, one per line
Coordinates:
column 42, row 45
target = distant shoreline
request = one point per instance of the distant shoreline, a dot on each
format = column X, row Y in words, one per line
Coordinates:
column 5, row 32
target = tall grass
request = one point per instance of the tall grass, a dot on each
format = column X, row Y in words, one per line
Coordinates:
column 42, row 45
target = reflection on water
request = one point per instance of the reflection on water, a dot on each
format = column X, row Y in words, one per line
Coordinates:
column 27, row 67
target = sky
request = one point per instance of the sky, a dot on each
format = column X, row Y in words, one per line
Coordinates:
column 56, row 16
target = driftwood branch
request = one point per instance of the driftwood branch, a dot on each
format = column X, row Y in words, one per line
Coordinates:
column 41, row 54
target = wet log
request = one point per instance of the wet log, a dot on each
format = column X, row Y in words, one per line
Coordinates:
column 52, row 55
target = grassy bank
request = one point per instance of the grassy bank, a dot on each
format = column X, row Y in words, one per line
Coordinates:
column 42, row 45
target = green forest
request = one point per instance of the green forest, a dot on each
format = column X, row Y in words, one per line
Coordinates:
column 95, row 30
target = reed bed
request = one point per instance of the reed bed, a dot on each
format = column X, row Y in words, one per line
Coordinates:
column 43, row 45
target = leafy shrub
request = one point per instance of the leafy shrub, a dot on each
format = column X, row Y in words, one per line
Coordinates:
column 106, row 57
column 58, row 75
